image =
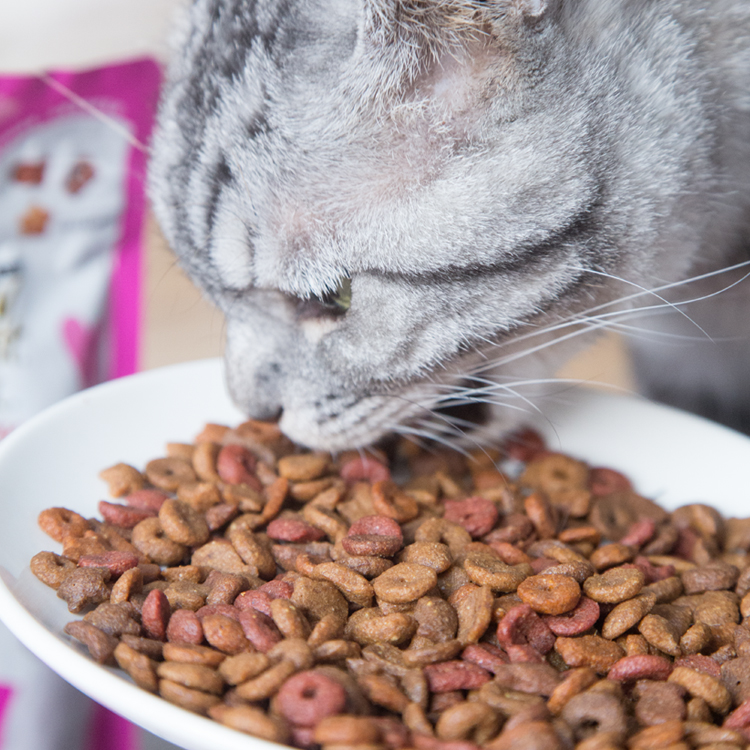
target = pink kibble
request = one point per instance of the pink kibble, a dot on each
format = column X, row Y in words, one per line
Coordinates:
column 605, row 481
column 155, row 615
column 256, row 599
column 123, row 515
column 364, row 468
column 522, row 626
column 146, row 499
column 486, row 656
column 185, row 627
column 259, row 629
column 582, row 617
column 640, row 667
column 236, row 465
column 639, row 533
column 291, row 529
column 115, row 561
column 307, row 697
column 476, row 514
column 455, row 675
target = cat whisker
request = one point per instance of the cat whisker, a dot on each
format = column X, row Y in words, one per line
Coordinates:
column 585, row 317
column 95, row 112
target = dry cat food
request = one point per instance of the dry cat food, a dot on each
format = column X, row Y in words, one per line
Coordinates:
column 312, row 600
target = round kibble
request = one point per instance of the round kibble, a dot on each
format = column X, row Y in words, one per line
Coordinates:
column 169, row 473
column 236, row 465
column 308, row 697
column 550, row 594
column 248, row 581
column 373, row 536
column 404, row 582
column 614, row 585
column 580, row 619
column 476, row 514
column 182, row 524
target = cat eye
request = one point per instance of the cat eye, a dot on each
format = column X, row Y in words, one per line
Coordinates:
column 340, row 299
column 329, row 304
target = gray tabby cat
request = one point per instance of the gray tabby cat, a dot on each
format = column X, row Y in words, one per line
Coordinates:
column 402, row 205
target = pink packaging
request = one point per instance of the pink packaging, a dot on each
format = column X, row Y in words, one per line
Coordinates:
column 72, row 207
column 72, row 166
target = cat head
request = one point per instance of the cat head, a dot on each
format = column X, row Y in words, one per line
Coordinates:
column 384, row 197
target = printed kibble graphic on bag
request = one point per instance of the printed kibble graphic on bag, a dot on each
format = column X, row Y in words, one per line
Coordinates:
column 72, row 182
column 71, row 214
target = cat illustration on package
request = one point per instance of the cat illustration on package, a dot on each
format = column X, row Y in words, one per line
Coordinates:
column 404, row 207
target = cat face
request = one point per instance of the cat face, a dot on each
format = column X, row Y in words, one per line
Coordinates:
column 390, row 201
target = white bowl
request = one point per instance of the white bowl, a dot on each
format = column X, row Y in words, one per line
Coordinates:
column 54, row 460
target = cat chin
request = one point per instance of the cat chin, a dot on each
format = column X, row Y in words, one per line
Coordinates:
column 359, row 425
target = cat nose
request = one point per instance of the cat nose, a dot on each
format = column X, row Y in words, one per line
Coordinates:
column 256, row 393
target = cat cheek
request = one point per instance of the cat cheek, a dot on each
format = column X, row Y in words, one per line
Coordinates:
column 314, row 329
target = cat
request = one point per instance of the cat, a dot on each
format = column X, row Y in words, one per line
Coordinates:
column 407, row 206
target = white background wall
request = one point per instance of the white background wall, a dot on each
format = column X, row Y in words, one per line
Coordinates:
column 42, row 34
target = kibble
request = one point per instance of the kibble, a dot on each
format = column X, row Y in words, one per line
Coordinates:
column 313, row 600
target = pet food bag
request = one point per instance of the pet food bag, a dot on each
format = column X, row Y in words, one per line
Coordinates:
column 72, row 178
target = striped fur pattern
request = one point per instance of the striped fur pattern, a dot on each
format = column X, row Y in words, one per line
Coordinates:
column 494, row 178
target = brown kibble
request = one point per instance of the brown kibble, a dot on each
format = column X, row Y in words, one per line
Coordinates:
column 317, row 599
column 701, row 685
column 150, row 539
column 192, row 654
column 243, row 667
column 610, row 555
column 219, row 554
column 735, row 675
column 590, row 713
column 84, row 588
column 169, row 473
column 346, row 729
column 529, row 735
column 468, row 720
column 550, row 594
column 540, row 514
column 100, row 645
column 659, row 702
column 574, row 682
column 662, row 735
column 614, row 585
column 193, row 700
column 251, row 721
column 715, row 576
column 627, row 614
column 355, row 587
column 404, row 582
column 589, row 651
column 203, row 458
column 304, row 467
column 659, row 632
column 122, row 479
column 260, row 576
column 225, row 634
column 382, row 690
column 486, row 569
column 61, row 523
column 389, row 500
column 141, row 668
column 197, row 676
column 51, row 569
column 369, row 626
column 430, row 554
